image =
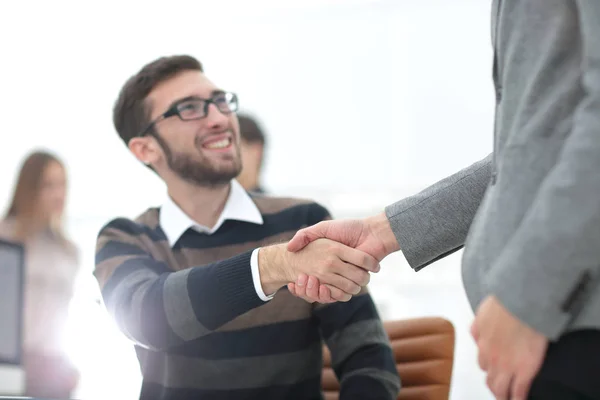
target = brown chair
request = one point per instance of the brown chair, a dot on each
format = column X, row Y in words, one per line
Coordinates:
column 424, row 353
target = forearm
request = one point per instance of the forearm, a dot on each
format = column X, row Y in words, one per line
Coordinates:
column 158, row 308
column 435, row 222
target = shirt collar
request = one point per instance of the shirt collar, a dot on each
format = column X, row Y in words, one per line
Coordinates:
column 239, row 206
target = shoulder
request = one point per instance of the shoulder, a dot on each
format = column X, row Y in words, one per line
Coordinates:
column 309, row 211
column 7, row 228
column 146, row 224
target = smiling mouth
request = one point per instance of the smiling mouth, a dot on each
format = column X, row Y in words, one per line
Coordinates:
column 218, row 144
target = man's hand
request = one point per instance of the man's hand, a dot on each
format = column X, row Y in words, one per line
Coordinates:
column 332, row 263
column 509, row 351
column 372, row 235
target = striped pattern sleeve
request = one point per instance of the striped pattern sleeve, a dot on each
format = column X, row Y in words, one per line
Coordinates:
column 158, row 308
column 361, row 353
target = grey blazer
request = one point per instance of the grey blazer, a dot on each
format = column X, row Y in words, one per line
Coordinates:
column 529, row 214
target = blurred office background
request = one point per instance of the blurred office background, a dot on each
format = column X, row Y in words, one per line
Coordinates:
column 363, row 101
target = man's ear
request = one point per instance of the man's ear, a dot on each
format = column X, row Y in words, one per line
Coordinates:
column 145, row 149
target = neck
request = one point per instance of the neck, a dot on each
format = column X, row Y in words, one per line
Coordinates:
column 203, row 204
column 249, row 181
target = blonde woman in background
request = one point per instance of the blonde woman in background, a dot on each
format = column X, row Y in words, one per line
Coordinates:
column 35, row 219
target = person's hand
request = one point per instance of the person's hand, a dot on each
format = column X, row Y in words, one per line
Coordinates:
column 509, row 351
column 342, row 267
column 309, row 289
column 372, row 235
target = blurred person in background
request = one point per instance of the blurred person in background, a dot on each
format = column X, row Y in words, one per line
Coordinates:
column 252, row 147
column 35, row 219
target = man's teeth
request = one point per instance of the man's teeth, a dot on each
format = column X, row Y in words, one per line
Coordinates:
column 221, row 144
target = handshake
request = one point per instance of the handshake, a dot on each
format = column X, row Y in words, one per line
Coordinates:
column 329, row 261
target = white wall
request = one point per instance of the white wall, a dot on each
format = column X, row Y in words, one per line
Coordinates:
column 364, row 102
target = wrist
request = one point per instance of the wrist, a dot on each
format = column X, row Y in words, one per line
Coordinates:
column 270, row 262
column 381, row 228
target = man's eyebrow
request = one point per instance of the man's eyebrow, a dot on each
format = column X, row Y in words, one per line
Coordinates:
column 187, row 98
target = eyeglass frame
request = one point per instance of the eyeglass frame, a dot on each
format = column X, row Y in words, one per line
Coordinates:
column 174, row 110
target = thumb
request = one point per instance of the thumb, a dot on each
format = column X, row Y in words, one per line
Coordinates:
column 304, row 236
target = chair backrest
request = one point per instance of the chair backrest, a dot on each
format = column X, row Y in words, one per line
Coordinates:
column 424, row 353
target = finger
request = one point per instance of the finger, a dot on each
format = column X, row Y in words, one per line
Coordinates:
column 499, row 383
column 325, row 294
column 357, row 275
column 300, row 285
column 304, row 236
column 482, row 359
column 312, row 288
column 292, row 288
column 341, row 282
column 299, row 292
column 302, row 280
column 347, row 270
column 296, row 292
column 522, row 383
column 337, row 294
column 359, row 258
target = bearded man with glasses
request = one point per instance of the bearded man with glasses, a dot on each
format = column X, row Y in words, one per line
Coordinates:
column 199, row 284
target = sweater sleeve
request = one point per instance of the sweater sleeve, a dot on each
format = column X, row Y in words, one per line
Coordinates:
column 158, row 308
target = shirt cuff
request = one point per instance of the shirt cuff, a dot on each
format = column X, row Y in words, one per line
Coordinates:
column 256, row 277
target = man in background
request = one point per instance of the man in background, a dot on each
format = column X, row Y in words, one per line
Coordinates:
column 252, row 147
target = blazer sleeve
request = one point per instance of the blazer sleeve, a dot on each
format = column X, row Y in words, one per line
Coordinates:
column 435, row 222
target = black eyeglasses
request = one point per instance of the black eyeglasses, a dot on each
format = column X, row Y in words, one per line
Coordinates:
column 192, row 108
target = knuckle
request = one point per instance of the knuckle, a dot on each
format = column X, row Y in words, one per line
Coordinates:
column 330, row 261
column 484, row 346
column 332, row 247
column 369, row 262
column 494, row 358
column 346, row 286
column 339, row 297
column 519, row 389
column 342, row 296
column 364, row 261
column 321, row 269
column 489, row 381
column 334, row 294
column 364, row 278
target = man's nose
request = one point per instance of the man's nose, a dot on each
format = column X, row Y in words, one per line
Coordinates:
column 215, row 118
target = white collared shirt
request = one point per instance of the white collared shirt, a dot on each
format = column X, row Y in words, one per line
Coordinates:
column 239, row 206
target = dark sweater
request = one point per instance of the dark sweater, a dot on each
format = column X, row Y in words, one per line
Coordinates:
column 202, row 332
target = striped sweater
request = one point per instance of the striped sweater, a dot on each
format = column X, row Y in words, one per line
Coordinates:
column 201, row 331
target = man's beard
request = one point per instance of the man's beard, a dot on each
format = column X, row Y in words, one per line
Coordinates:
column 198, row 172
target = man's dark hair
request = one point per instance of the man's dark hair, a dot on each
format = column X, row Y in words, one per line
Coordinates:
column 250, row 130
column 131, row 112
